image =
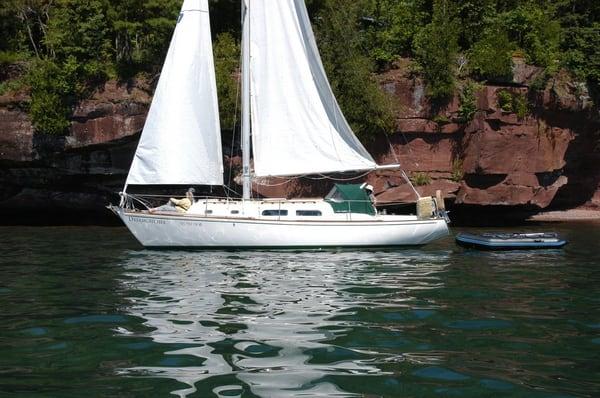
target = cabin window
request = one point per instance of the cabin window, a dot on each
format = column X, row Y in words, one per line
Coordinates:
column 335, row 195
column 235, row 212
column 308, row 213
column 208, row 211
column 275, row 213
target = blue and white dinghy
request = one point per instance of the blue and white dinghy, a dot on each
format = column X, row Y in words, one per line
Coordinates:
column 511, row 241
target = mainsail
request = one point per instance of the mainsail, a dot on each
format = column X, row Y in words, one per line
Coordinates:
column 297, row 125
column 181, row 141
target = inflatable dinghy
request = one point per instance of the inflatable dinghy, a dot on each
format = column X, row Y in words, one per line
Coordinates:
column 511, row 241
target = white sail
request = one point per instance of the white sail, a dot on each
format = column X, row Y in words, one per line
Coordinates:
column 181, row 141
column 297, row 125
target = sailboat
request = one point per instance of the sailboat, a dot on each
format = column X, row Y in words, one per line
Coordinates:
column 296, row 127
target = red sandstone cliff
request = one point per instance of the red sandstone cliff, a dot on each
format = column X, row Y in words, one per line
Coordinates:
column 503, row 159
column 544, row 160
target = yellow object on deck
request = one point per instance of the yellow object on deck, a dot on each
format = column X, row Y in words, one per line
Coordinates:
column 425, row 207
column 182, row 205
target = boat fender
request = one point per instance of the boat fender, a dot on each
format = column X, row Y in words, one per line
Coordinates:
column 425, row 207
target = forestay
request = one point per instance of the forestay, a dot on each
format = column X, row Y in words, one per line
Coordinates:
column 297, row 125
column 181, row 141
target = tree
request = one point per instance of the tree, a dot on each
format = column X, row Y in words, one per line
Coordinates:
column 491, row 56
column 391, row 27
column 227, row 57
column 141, row 32
column 475, row 17
column 25, row 18
column 436, row 49
column 580, row 20
column 365, row 106
column 535, row 31
column 79, row 29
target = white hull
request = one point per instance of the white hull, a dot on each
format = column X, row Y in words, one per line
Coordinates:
column 166, row 230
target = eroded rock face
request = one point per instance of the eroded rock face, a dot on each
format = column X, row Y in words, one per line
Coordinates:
column 547, row 158
column 16, row 135
column 43, row 175
column 500, row 158
column 111, row 114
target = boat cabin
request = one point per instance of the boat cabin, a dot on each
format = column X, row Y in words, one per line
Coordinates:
column 351, row 198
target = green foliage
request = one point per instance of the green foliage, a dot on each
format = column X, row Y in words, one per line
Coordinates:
column 78, row 29
column 505, row 101
column 468, row 102
column 512, row 102
column 582, row 55
column 76, row 50
column 8, row 58
column 9, row 28
column 491, row 56
column 436, row 49
column 504, row 98
column 474, row 20
column 12, row 85
column 541, row 81
column 23, row 25
column 420, row 179
column 366, row 107
column 520, row 105
column 227, row 55
column 12, row 65
column 391, row 32
column 580, row 20
column 141, row 31
column 457, row 170
column 534, row 29
column 89, row 41
column 441, row 119
column 53, row 91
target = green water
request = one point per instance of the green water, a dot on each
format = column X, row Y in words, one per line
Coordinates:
column 86, row 312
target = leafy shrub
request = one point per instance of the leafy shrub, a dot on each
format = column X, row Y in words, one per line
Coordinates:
column 457, row 170
column 520, row 105
column 490, row 57
column 441, row 119
column 53, row 91
column 513, row 103
column 11, row 86
column 505, row 100
column 9, row 57
column 541, row 81
column 468, row 103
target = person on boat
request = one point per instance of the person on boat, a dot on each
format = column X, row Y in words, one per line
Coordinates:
column 369, row 190
column 177, row 205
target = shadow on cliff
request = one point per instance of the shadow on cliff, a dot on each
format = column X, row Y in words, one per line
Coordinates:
column 581, row 159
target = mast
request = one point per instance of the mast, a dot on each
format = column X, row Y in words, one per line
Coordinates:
column 247, row 183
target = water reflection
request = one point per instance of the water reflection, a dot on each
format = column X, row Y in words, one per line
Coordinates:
column 276, row 323
column 82, row 311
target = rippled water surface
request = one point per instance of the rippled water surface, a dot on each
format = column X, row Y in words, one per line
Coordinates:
column 88, row 312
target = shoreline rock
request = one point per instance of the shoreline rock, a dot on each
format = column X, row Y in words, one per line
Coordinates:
column 518, row 166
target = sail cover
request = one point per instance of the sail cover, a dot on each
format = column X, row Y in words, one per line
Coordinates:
column 297, row 125
column 181, row 141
